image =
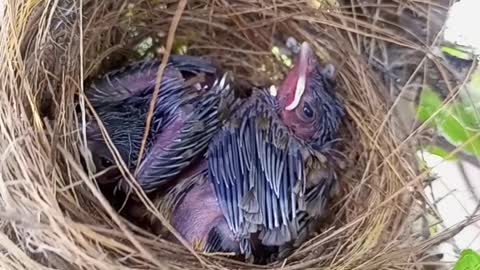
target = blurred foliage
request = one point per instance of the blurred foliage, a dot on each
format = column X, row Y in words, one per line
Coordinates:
column 469, row 260
column 144, row 46
column 283, row 58
column 438, row 151
column 457, row 121
column 147, row 47
column 180, row 48
column 458, row 51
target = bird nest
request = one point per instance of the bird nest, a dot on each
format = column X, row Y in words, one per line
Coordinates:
column 55, row 215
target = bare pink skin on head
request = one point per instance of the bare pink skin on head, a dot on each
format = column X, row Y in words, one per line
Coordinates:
column 295, row 90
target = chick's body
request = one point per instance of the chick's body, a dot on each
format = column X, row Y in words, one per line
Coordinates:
column 187, row 112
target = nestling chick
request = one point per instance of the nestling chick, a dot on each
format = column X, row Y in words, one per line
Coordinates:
column 188, row 111
column 263, row 163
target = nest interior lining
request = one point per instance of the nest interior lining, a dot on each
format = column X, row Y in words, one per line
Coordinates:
column 65, row 221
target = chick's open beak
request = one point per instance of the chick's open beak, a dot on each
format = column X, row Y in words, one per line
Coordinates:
column 300, row 72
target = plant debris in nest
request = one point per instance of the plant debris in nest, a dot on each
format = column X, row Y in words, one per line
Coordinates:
column 55, row 214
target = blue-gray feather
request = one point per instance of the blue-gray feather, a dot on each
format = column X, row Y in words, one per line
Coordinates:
column 256, row 155
column 122, row 99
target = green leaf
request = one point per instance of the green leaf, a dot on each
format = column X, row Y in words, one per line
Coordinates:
column 475, row 81
column 438, row 151
column 469, row 260
column 455, row 121
column 458, row 133
column 453, row 128
column 471, row 92
column 469, row 120
column 459, row 52
column 430, row 103
column 468, row 115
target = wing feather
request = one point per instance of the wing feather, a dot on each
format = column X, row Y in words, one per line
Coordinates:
column 139, row 78
column 191, row 141
column 122, row 99
column 266, row 170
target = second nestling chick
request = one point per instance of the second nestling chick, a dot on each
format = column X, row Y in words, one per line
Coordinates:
column 190, row 107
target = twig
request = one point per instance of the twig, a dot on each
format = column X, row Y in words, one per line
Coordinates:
column 468, row 182
column 163, row 65
column 166, row 55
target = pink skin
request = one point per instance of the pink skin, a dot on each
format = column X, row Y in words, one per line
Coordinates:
column 199, row 213
column 295, row 119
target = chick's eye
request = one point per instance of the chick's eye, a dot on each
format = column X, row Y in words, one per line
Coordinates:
column 105, row 162
column 307, row 111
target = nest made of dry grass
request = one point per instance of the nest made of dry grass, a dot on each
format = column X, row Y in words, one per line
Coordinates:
column 53, row 214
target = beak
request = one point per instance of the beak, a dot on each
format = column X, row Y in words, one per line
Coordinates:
column 300, row 71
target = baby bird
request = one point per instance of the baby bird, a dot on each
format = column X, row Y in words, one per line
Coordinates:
column 189, row 110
